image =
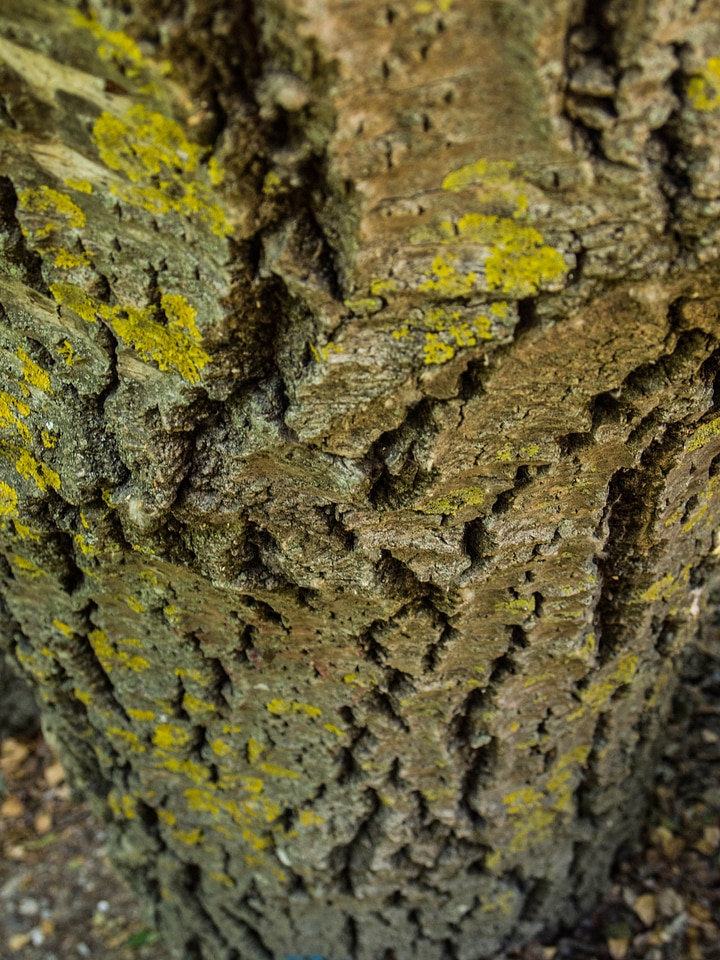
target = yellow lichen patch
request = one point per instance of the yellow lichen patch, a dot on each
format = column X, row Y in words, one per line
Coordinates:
column 246, row 814
column 456, row 501
column 188, row 836
column 84, row 696
column 8, row 500
column 479, row 173
column 456, row 333
column 203, row 801
column 445, row 278
column 167, row 817
column 331, row 728
column 51, row 203
column 436, row 350
column 254, row 750
column 536, row 811
column 559, row 787
column 704, row 434
column 598, row 695
column 82, row 186
column 49, row 440
column 33, row 373
column 114, row 44
column 134, row 603
column 127, row 737
column 251, row 784
column 463, row 335
column 381, row 288
column 220, row 748
column 64, row 628
column 273, row 770
column 169, row 347
column 188, row 768
column 110, row 658
column 308, row 818
column 10, row 409
column 76, row 299
column 142, row 715
column 215, row 171
column 70, row 261
column 519, row 261
column 282, row 707
column 704, row 88
column 27, row 567
column 170, row 737
column 504, row 903
column 84, row 545
column 31, row 469
column 521, row 604
column 322, row 353
column 195, row 705
column 587, row 651
column 161, row 165
column 432, row 6
column 23, row 531
column 667, row 586
column 702, row 507
column 271, row 183
column 122, row 804
column 222, row 878
column 364, row 305
column 172, row 346
column 180, row 313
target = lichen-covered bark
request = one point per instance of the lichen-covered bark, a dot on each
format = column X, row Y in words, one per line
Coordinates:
column 360, row 446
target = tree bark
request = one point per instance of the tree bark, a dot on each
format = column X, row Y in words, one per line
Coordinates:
column 360, row 444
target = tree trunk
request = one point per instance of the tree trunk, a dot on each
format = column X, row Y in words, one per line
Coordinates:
column 360, row 446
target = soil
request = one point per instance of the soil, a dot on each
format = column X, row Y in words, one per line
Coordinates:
column 60, row 900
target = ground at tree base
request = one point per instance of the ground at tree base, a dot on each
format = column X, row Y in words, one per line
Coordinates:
column 59, row 899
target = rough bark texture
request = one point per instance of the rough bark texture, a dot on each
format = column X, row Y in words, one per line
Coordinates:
column 18, row 709
column 360, row 445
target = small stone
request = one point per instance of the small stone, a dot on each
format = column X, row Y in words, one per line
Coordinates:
column 12, row 808
column 43, row 823
column 54, row 774
column 28, row 907
column 644, row 907
column 83, row 949
column 102, row 906
column 37, row 937
column 18, row 941
column 669, row 903
column 618, row 948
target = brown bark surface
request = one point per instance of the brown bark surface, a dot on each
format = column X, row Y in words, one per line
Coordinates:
column 359, row 446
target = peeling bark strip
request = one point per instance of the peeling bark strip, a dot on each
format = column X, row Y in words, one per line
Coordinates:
column 360, row 444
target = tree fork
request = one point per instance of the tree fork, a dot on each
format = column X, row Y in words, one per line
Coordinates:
column 359, row 443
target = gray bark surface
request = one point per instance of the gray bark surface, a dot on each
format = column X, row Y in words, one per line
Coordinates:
column 360, row 443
